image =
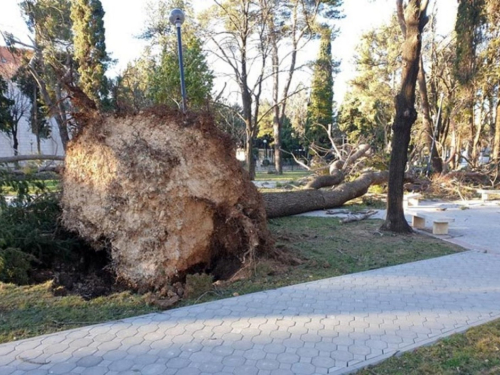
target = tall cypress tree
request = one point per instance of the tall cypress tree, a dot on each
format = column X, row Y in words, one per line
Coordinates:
column 470, row 20
column 320, row 110
column 90, row 48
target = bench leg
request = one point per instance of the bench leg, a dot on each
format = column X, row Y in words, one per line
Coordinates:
column 418, row 222
column 440, row 228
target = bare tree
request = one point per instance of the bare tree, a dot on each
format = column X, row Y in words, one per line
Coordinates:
column 18, row 110
column 297, row 31
column 239, row 32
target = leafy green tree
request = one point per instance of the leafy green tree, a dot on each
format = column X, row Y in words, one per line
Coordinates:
column 165, row 79
column 367, row 110
column 320, row 114
column 468, row 30
column 90, row 48
column 491, row 71
column 51, row 60
column 131, row 89
column 160, row 67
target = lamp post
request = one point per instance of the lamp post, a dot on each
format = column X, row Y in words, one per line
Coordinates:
column 177, row 19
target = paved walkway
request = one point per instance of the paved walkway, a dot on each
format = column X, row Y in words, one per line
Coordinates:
column 332, row 326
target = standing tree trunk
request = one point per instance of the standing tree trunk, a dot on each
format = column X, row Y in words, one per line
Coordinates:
column 15, row 141
column 496, row 142
column 437, row 164
column 276, row 118
column 412, row 20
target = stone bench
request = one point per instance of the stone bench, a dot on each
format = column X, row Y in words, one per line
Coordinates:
column 486, row 193
column 417, row 220
column 411, row 200
column 440, row 226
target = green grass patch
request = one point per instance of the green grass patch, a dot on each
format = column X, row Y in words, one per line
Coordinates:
column 27, row 311
column 327, row 248
column 476, row 351
column 322, row 248
column 286, row 176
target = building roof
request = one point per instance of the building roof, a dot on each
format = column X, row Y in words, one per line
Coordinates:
column 10, row 62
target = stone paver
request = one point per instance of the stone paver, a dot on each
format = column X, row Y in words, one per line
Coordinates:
column 331, row 326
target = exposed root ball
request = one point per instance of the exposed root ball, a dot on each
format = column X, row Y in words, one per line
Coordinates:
column 165, row 194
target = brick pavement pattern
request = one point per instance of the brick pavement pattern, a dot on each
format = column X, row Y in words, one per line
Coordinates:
column 331, row 326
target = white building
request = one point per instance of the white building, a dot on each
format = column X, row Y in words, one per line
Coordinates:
column 9, row 64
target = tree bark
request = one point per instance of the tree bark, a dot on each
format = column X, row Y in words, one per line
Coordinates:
column 293, row 203
column 326, row 181
column 496, row 142
column 276, row 111
column 15, row 141
column 414, row 21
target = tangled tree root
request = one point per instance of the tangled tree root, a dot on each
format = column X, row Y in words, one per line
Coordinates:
column 165, row 194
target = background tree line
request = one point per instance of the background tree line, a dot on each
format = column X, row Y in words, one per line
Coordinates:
column 263, row 44
column 462, row 69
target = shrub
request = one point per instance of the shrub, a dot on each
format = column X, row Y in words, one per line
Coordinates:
column 29, row 228
column 14, row 266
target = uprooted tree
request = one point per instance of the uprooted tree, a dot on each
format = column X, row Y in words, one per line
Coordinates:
column 165, row 194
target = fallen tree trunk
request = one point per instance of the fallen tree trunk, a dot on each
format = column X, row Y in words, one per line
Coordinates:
column 297, row 202
column 326, row 181
column 15, row 159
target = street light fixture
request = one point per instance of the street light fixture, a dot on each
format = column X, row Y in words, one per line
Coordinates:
column 177, row 18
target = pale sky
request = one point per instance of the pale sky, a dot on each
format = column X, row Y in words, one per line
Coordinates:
column 124, row 20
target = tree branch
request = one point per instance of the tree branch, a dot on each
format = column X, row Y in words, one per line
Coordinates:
column 401, row 16
column 14, row 159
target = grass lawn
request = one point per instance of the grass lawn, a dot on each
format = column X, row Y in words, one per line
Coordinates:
column 476, row 351
column 286, row 176
column 27, row 311
column 324, row 247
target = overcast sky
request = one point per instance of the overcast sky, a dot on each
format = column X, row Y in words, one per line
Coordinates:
column 124, row 20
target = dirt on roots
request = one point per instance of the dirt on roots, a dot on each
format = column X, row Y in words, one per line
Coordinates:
column 164, row 193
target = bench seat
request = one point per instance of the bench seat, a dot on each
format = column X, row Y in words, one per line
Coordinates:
column 440, row 226
column 417, row 220
column 411, row 200
column 486, row 193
